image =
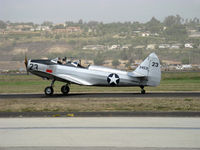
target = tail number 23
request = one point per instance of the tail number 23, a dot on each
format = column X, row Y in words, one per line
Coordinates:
column 154, row 64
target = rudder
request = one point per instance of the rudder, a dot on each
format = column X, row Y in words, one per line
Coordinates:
column 150, row 68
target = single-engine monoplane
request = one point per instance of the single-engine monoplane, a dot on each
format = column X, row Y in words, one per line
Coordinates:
column 72, row 72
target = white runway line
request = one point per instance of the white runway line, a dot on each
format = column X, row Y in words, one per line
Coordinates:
column 110, row 131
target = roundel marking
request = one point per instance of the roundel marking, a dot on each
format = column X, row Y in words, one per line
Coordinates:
column 113, row 79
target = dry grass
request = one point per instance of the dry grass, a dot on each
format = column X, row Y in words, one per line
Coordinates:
column 30, row 84
column 100, row 104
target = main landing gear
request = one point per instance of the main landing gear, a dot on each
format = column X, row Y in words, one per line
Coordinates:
column 65, row 89
column 49, row 90
column 142, row 90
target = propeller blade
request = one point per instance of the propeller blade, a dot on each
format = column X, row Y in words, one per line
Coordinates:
column 26, row 64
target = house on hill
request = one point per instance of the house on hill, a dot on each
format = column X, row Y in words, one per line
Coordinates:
column 188, row 45
column 151, row 47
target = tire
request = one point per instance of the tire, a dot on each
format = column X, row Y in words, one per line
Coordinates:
column 65, row 89
column 48, row 91
column 143, row 91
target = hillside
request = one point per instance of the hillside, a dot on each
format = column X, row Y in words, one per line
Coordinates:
column 174, row 41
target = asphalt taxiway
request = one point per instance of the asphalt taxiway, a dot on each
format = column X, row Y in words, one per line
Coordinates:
column 103, row 95
column 141, row 133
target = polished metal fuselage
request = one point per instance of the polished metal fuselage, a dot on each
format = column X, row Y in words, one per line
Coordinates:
column 92, row 75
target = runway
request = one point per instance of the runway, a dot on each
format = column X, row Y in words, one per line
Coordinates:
column 103, row 95
column 137, row 133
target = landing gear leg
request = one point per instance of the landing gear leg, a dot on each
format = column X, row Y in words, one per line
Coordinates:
column 49, row 90
column 65, row 89
column 142, row 90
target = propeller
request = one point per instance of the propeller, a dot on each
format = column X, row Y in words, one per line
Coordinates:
column 26, row 64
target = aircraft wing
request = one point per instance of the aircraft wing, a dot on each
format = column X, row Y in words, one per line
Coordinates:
column 73, row 79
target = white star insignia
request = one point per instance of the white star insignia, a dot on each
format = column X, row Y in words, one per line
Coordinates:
column 113, row 79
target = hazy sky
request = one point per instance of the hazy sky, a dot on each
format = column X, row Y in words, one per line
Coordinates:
column 60, row 11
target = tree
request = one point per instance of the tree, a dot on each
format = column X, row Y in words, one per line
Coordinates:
column 154, row 25
column 3, row 25
column 124, row 55
column 60, row 26
column 80, row 22
column 57, row 37
column 115, row 62
column 47, row 23
column 176, row 31
column 172, row 20
column 185, row 61
column 99, row 60
column 153, row 22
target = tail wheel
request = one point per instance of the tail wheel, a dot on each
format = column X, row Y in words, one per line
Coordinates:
column 65, row 89
column 143, row 91
column 48, row 91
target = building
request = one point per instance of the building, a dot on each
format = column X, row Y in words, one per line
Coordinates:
column 175, row 46
column 184, row 67
column 114, row 47
column 94, row 47
column 139, row 47
column 163, row 46
column 188, row 45
column 145, row 34
column 194, row 33
column 126, row 46
column 68, row 30
column 151, row 46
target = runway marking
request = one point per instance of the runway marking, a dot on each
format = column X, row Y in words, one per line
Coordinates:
column 94, row 148
column 100, row 128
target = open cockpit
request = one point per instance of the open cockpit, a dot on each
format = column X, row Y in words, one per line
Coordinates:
column 68, row 62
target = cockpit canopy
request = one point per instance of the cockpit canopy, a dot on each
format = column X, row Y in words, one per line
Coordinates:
column 55, row 60
column 67, row 61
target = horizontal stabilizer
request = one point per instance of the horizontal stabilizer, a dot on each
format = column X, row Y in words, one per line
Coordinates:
column 136, row 75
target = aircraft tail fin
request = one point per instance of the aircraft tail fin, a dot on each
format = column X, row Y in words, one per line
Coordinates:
column 150, row 68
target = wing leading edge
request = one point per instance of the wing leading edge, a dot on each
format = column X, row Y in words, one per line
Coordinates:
column 73, row 79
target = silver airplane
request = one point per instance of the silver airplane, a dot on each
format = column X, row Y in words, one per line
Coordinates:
column 146, row 74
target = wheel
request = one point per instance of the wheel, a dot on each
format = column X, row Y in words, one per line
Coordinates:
column 65, row 89
column 143, row 91
column 48, row 91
